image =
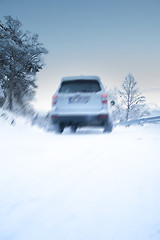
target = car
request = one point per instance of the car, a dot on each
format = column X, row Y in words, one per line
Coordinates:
column 81, row 101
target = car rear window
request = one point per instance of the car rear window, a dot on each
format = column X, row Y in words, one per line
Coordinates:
column 80, row 86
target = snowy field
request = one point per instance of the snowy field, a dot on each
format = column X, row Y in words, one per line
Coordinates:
column 83, row 186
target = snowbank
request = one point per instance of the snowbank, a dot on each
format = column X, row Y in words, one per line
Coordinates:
column 87, row 185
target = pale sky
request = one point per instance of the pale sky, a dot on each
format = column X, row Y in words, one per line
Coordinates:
column 108, row 38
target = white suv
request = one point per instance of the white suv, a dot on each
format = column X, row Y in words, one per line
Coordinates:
column 81, row 101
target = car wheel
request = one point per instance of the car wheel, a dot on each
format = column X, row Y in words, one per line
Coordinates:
column 108, row 127
column 59, row 127
column 73, row 128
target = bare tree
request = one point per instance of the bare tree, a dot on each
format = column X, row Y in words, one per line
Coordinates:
column 132, row 98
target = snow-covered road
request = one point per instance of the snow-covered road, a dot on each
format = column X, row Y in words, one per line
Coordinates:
column 83, row 186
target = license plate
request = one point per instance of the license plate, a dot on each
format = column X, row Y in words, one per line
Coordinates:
column 78, row 99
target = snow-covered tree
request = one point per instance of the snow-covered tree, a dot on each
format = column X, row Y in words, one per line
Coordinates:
column 20, row 60
column 1, row 96
column 132, row 99
column 117, row 109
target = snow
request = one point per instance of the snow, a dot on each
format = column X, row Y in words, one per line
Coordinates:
column 87, row 185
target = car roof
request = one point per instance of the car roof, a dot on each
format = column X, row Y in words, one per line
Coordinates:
column 81, row 77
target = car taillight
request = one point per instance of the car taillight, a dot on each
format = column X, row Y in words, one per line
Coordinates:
column 103, row 116
column 54, row 99
column 104, row 98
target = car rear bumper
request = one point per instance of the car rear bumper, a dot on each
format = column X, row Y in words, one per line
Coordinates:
column 80, row 120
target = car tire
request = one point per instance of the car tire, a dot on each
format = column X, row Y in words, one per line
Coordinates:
column 59, row 127
column 108, row 127
column 73, row 128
